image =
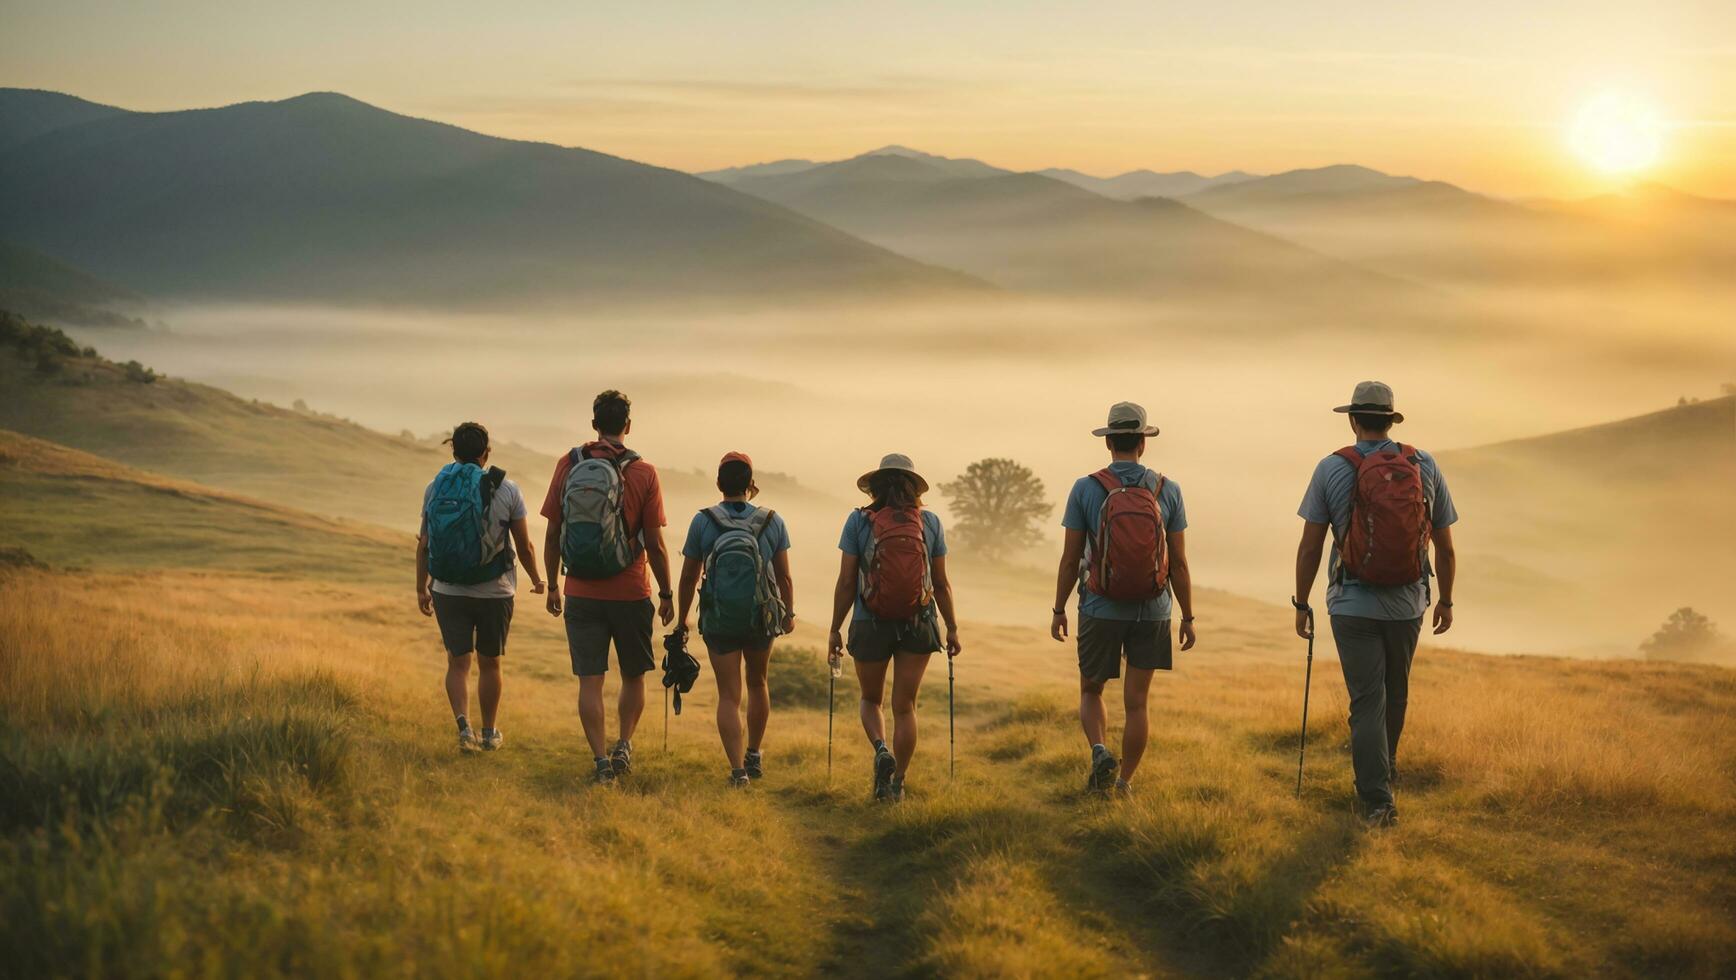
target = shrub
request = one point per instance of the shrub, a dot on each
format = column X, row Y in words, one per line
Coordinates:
column 798, row 678
column 138, row 373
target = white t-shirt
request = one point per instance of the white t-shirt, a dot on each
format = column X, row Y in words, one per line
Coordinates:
column 507, row 506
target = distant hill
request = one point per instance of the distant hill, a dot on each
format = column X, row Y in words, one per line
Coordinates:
column 43, row 288
column 324, row 198
column 1146, row 183
column 1031, row 232
column 770, row 168
column 1614, row 525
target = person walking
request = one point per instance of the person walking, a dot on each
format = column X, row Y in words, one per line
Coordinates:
column 605, row 526
column 1384, row 503
column 1125, row 553
column 466, row 577
column 737, row 558
column 892, row 583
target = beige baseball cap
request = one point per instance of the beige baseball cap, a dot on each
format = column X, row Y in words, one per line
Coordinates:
column 894, row 461
column 1371, row 398
column 1126, row 418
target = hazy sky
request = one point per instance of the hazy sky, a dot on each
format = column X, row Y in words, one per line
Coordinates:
column 1478, row 92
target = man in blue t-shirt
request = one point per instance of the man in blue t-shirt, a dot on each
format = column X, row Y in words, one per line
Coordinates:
column 1375, row 627
column 1110, row 629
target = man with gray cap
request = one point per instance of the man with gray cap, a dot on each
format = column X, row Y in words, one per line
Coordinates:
column 1384, row 503
column 1125, row 555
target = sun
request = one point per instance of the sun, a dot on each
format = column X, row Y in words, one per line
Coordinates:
column 1617, row 133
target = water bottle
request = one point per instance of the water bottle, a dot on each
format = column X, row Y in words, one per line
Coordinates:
column 837, row 664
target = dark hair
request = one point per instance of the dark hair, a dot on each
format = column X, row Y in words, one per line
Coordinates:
column 893, row 488
column 1125, row 442
column 734, row 477
column 609, row 412
column 1371, row 423
column 469, row 441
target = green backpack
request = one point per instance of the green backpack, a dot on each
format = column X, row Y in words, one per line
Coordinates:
column 459, row 549
column 739, row 596
column 595, row 543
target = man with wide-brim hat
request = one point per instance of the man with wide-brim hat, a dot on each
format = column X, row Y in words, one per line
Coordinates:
column 1383, row 503
column 1126, row 562
column 892, row 463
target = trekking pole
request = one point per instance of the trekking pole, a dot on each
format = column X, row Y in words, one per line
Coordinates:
column 951, row 742
column 831, row 700
column 1307, row 682
column 666, row 720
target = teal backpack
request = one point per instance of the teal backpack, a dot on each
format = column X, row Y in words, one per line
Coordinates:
column 460, row 551
column 594, row 539
column 739, row 596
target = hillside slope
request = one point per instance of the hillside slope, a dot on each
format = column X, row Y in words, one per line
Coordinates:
column 44, row 288
column 324, row 198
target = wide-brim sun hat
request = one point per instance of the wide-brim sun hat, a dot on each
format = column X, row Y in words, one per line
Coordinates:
column 1126, row 419
column 1371, row 398
column 895, row 463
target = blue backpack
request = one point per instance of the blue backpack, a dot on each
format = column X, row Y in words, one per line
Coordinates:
column 740, row 595
column 459, row 548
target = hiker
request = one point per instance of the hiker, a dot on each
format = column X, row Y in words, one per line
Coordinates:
column 746, row 600
column 605, row 514
column 467, row 512
column 893, row 575
column 1125, row 554
column 1384, row 502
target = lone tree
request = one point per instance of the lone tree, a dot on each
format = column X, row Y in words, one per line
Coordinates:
column 1686, row 635
column 998, row 503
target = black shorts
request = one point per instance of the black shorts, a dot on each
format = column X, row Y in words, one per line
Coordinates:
column 468, row 623
column 719, row 645
column 1103, row 642
column 593, row 623
column 876, row 640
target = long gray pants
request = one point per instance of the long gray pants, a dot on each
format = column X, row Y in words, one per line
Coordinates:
column 1376, row 657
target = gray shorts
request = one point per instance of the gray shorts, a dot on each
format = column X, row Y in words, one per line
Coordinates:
column 876, row 640
column 592, row 624
column 1103, row 642
column 470, row 623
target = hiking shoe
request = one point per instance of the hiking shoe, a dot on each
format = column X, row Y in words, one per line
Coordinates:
column 1381, row 817
column 895, row 792
column 621, row 758
column 1122, row 790
column 738, row 779
column 1103, row 766
column 754, row 765
column 467, row 740
column 491, row 739
column 884, row 764
column 605, row 774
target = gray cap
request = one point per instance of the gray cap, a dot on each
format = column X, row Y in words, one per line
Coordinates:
column 897, row 462
column 1126, row 418
column 1371, row 398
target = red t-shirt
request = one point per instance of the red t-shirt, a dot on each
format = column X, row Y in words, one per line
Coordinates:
column 641, row 504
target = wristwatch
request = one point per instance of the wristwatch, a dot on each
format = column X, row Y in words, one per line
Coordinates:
column 1059, row 611
column 1301, row 606
column 665, row 595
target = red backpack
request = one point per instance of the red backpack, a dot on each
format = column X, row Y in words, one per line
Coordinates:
column 1388, row 540
column 895, row 579
column 1128, row 560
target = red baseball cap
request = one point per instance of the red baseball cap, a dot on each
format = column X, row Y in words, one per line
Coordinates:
column 752, row 488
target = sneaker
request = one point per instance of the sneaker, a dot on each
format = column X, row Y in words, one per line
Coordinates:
column 895, row 792
column 467, row 739
column 754, row 764
column 1381, row 817
column 621, row 758
column 491, row 739
column 738, row 779
column 605, row 775
column 884, row 764
column 1103, row 765
column 1123, row 789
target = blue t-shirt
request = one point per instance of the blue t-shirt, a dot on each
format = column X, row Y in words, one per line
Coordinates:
column 1328, row 500
column 703, row 532
column 1085, row 507
column 858, row 534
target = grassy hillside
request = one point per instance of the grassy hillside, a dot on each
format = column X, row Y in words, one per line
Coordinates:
column 43, row 288
column 324, row 198
column 248, row 776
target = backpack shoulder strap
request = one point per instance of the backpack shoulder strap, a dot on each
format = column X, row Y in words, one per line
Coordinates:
column 761, row 519
column 717, row 519
column 625, row 458
column 1351, row 455
column 491, row 482
column 1107, row 479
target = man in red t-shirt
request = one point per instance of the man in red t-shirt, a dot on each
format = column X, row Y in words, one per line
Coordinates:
column 616, row 608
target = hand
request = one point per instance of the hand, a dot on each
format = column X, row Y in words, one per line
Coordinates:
column 952, row 647
column 789, row 623
column 1188, row 637
column 1058, row 626
column 554, row 602
column 425, row 601
column 1443, row 618
column 835, row 645
column 666, row 610
column 1304, row 624
column 536, row 588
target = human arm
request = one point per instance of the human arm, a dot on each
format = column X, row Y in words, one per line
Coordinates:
column 1181, row 584
column 690, row 569
column 1308, row 553
column 552, row 565
column 843, row 599
column 943, row 599
column 526, row 554
column 424, row 597
column 1066, row 580
column 786, row 587
column 1446, row 568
